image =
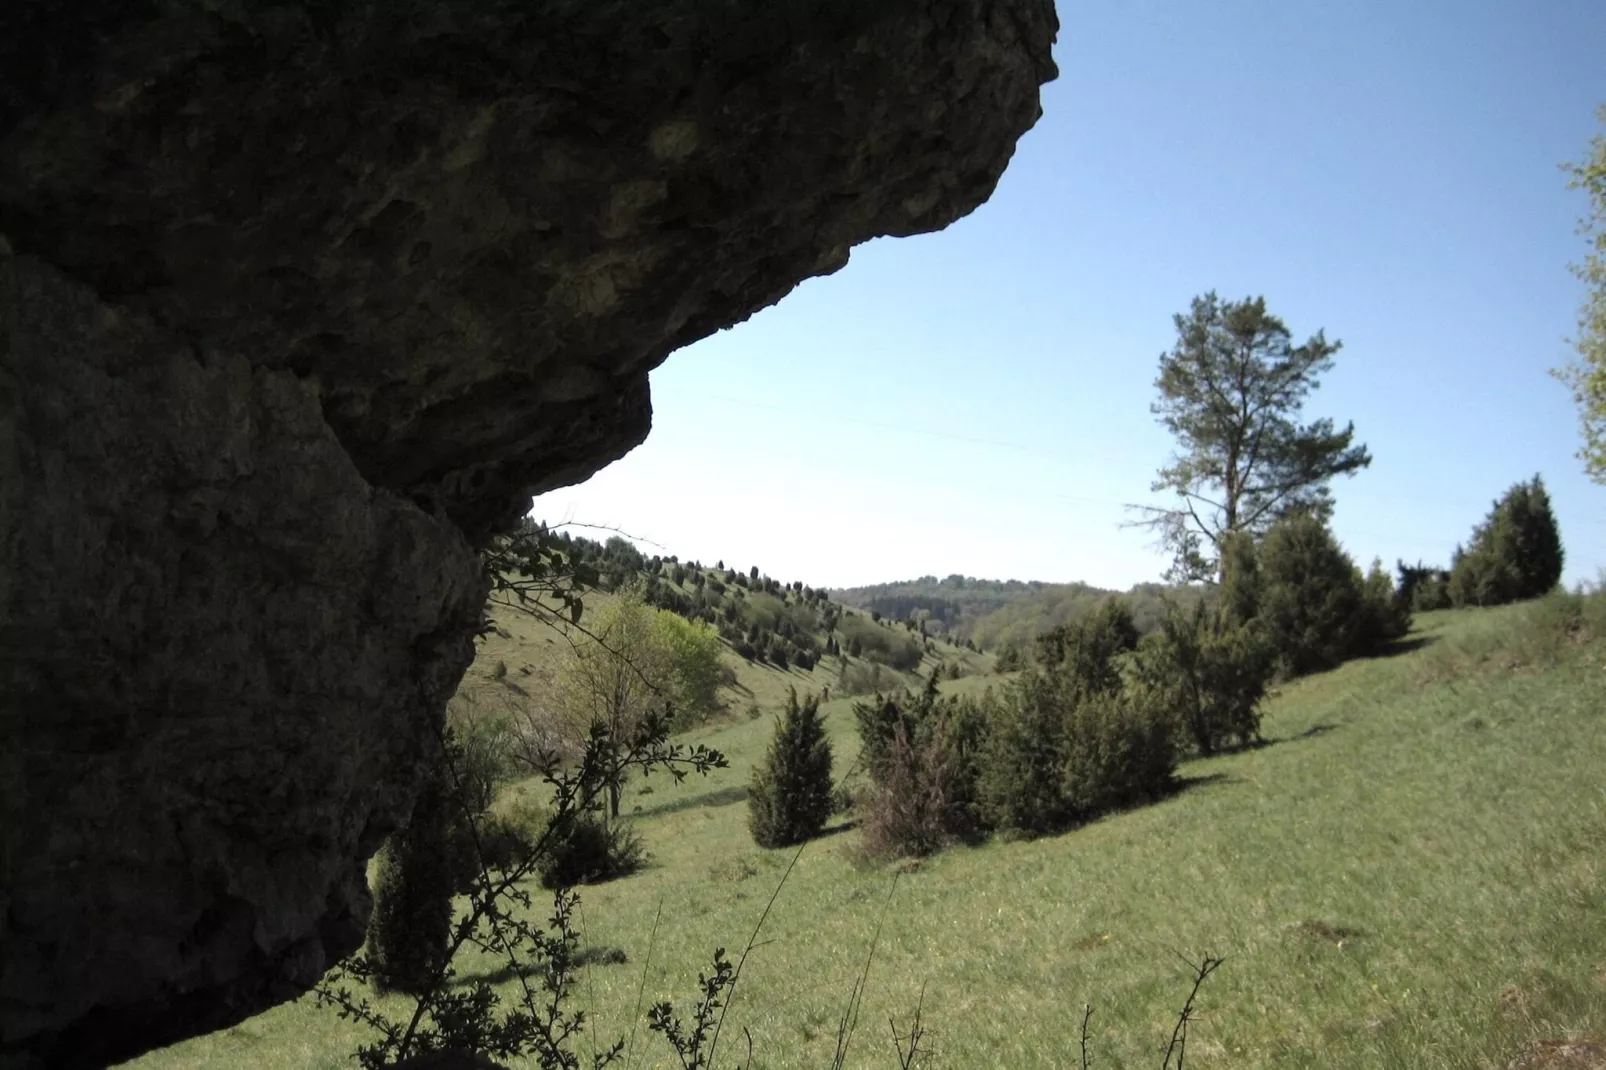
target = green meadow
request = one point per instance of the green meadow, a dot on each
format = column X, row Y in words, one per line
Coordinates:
column 1410, row 873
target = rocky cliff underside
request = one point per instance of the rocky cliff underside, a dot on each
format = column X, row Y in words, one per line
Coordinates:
column 298, row 304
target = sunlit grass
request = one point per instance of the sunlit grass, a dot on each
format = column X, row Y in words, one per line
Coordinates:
column 1412, row 874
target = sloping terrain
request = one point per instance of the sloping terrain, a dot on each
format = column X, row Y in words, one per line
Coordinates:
column 1408, row 875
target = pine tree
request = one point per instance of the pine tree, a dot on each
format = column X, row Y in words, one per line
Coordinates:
column 789, row 798
column 1232, row 391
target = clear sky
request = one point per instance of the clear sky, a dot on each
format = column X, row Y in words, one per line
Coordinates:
column 977, row 400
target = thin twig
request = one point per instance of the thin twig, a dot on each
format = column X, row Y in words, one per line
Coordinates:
column 850, row 1017
column 916, row 1030
column 605, row 527
column 1087, row 1015
column 591, row 984
column 635, row 1017
column 730, row 992
column 1179, row 1034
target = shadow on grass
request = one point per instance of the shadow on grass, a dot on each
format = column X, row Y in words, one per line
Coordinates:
column 1189, row 783
column 722, row 797
column 1402, row 646
column 1261, row 744
column 587, row 956
column 837, row 829
column 1315, row 730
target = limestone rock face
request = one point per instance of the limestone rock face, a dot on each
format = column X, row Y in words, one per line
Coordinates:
column 301, row 302
column 223, row 654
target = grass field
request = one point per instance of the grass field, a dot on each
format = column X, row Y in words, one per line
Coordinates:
column 1412, row 874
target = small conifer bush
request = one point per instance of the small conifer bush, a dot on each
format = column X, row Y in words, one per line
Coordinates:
column 789, row 800
column 1058, row 754
column 1385, row 616
column 1515, row 553
column 1311, row 600
column 408, row 931
column 1116, row 753
column 1209, row 671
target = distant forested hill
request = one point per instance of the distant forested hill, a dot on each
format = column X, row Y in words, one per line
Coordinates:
column 786, row 625
column 999, row 613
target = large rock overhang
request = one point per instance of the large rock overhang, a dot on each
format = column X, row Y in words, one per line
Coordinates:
column 298, row 305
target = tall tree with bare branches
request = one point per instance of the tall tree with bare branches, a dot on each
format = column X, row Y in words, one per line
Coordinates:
column 1587, row 375
column 617, row 676
column 1231, row 391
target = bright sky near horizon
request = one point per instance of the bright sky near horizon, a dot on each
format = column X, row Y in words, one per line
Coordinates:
column 977, row 400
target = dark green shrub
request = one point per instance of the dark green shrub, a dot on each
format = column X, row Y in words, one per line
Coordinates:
column 1087, row 648
column 589, row 849
column 409, row 929
column 1208, row 672
column 878, row 721
column 1423, row 589
column 1535, row 544
column 789, row 799
column 1242, row 587
column 1019, row 778
column 1311, row 598
column 1116, row 753
column 1057, row 754
column 1516, row 553
column 1384, row 615
column 510, row 834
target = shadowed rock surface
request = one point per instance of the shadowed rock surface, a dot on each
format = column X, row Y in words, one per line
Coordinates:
column 299, row 304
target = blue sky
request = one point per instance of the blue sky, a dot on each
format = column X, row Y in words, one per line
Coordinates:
column 977, row 400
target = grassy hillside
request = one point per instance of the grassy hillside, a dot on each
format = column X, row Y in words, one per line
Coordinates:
column 1411, row 874
column 516, row 663
column 776, row 635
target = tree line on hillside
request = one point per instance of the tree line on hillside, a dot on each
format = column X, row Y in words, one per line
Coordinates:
column 998, row 615
column 1100, row 717
column 763, row 619
column 786, row 625
column 951, row 606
